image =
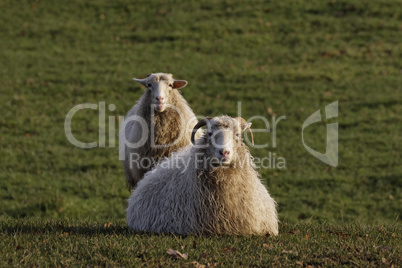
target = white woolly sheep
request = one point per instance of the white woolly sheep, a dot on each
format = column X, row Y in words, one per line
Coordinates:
column 159, row 124
column 209, row 188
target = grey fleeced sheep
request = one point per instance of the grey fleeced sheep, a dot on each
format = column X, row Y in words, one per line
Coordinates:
column 209, row 188
column 159, row 124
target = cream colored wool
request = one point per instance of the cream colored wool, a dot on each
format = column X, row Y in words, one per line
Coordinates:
column 178, row 196
column 174, row 125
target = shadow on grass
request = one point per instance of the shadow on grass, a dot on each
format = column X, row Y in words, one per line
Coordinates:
column 53, row 227
column 22, row 226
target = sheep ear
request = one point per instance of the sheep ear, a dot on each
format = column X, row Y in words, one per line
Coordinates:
column 141, row 81
column 179, row 84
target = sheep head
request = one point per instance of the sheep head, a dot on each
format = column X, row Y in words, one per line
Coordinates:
column 161, row 86
column 222, row 139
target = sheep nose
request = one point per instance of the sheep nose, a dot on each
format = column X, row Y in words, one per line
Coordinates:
column 160, row 98
column 224, row 152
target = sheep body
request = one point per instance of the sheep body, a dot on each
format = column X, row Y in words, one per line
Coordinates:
column 160, row 134
column 180, row 195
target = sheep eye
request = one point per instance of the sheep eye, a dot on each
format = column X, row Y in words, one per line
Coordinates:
column 210, row 134
column 170, row 85
column 238, row 135
column 149, row 84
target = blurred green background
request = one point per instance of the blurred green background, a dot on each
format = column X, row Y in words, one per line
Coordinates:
column 278, row 58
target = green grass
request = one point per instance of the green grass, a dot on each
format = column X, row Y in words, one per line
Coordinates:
column 277, row 58
column 40, row 242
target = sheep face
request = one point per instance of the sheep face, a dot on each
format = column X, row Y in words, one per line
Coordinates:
column 223, row 139
column 161, row 86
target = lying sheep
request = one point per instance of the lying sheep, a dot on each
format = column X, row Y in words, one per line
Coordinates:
column 159, row 124
column 209, row 188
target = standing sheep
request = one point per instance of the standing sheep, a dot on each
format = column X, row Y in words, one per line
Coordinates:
column 209, row 188
column 159, row 124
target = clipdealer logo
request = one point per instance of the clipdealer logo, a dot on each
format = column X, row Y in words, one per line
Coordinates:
column 330, row 156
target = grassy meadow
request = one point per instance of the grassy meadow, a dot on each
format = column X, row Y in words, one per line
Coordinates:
column 278, row 58
column 62, row 243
